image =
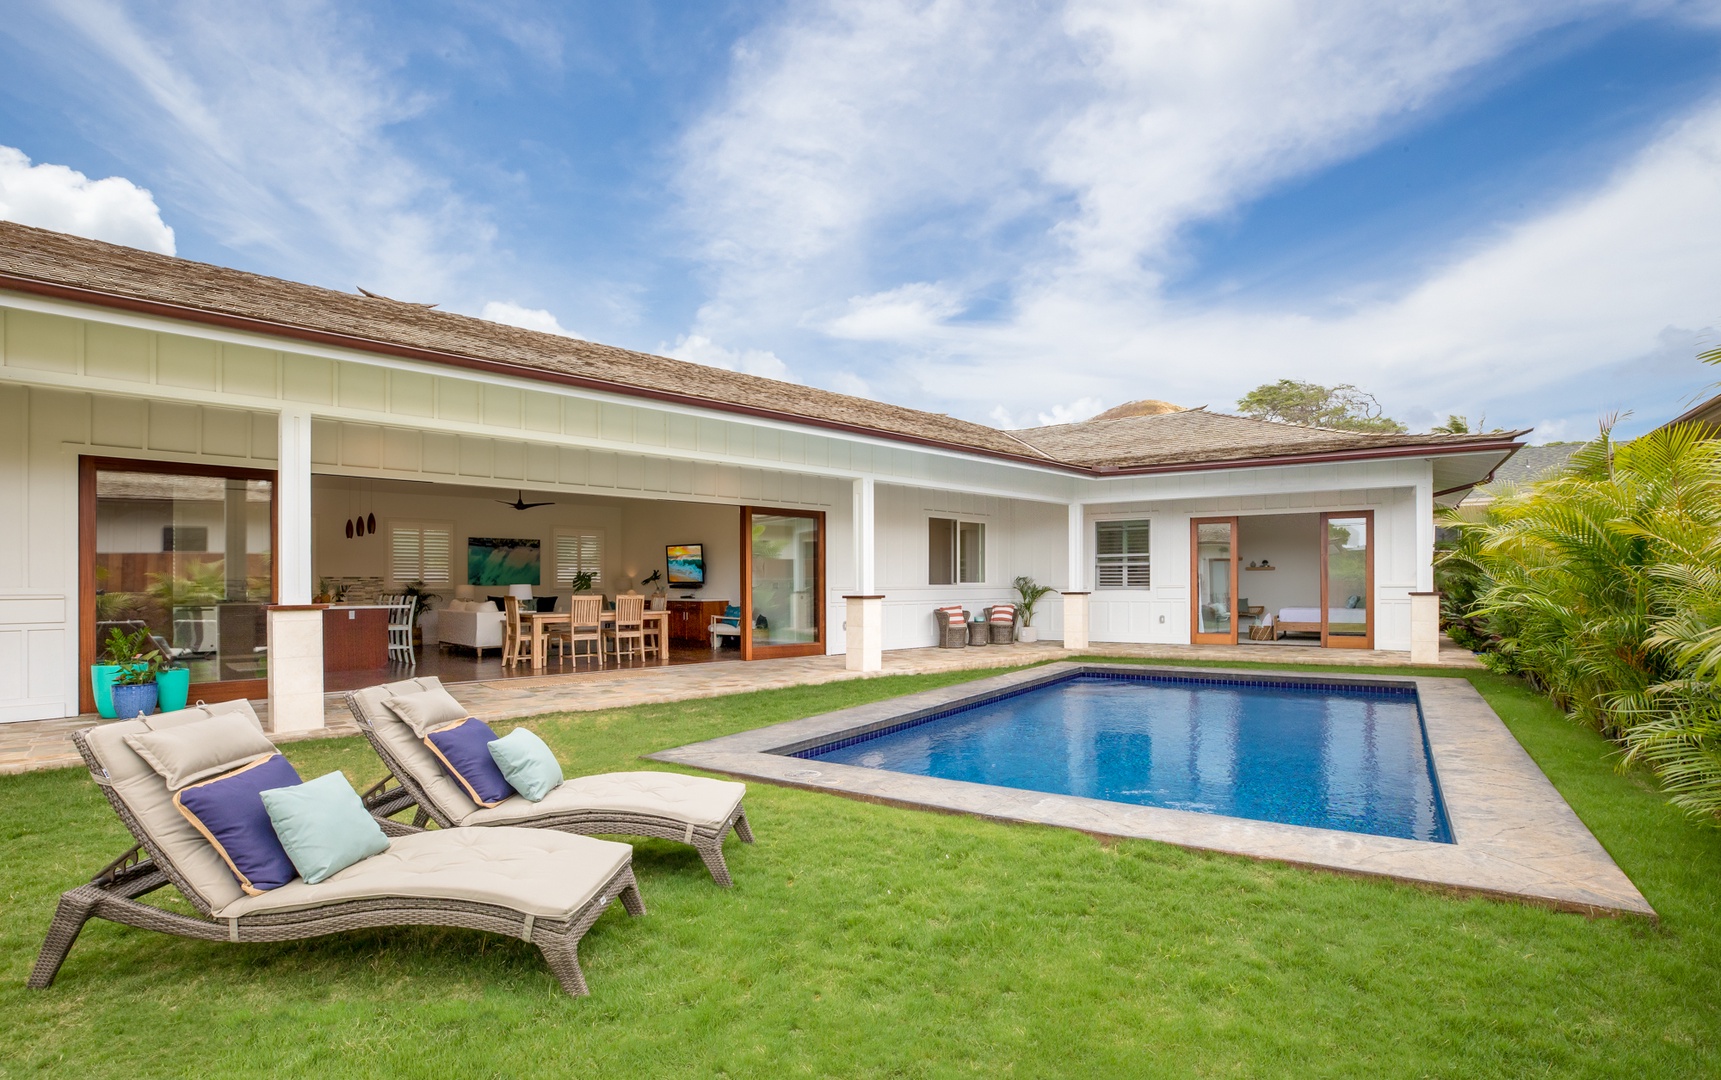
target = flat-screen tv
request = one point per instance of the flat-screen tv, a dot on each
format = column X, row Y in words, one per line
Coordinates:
column 686, row 564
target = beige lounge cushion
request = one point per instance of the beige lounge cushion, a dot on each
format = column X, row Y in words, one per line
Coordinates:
column 187, row 753
column 146, row 795
column 427, row 710
column 409, row 750
column 548, row 875
column 694, row 800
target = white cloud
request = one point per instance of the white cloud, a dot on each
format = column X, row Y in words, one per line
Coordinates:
column 1069, row 413
column 278, row 127
column 1044, row 163
column 65, row 200
column 506, row 311
column 698, row 349
column 904, row 312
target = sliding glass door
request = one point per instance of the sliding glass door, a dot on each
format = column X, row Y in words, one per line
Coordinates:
column 1347, row 580
column 187, row 553
column 1213, row 580
column 782, row 583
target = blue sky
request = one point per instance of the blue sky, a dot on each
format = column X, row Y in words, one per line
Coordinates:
column 1017, row 213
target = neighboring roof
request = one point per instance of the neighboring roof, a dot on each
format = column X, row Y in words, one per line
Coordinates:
column 1144, row 407
column 1528, row 465
column 1196, row 435
column 1704, row 412
column 90, row 271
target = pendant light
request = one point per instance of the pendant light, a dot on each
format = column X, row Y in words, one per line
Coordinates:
column 349, row 528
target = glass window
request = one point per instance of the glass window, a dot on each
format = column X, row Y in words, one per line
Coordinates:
column 940, row 551
column 955, row 552
column 1213, row 546
column 970, row 552
column 190, row 557
column 420, row 551
column 785, row 579
column 578, row 553
column 1121, row 555
column 1347, row 576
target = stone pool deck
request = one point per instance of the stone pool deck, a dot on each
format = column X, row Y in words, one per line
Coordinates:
column 1514, row 836
column 46, row 744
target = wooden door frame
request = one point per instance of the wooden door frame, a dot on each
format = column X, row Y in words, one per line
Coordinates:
column 1349, row 641
column 816, row 647
column 88, row 466
column 1195, row 635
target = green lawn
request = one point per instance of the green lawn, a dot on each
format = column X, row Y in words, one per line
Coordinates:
column 865, row 940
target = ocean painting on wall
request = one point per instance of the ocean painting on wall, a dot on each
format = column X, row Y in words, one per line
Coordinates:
column 495, row 561
column 686, row 564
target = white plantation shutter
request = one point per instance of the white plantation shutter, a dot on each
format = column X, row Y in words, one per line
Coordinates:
column 578, row 553
column 1121, row 555
column 420, row 551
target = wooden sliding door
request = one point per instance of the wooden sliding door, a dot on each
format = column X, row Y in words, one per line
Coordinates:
column 782, row 583
column 1347, row 579
column 1213, row 581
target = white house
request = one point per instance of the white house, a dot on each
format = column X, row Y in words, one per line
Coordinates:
column 187, row 446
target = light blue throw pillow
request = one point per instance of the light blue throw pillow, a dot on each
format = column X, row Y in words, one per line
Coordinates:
column 530, row 766
column 324, row 826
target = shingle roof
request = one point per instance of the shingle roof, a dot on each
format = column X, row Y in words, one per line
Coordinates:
column 37, row 260
column 1199, row 436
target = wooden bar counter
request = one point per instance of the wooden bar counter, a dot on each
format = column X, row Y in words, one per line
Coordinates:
column 355, row 637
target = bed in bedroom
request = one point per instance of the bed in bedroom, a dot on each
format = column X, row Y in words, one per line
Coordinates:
column 1307, row 620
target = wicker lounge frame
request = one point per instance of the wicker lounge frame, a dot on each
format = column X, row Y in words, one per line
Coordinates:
column 400, row 790
column 113, row 895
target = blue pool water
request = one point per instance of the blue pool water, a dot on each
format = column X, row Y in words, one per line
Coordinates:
column 1325, row 755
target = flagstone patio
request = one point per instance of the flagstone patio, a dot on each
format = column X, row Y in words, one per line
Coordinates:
column 46, row 744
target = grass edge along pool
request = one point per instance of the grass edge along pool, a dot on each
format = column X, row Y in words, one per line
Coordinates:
column 1321, row 753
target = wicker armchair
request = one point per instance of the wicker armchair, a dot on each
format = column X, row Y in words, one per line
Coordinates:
column 950, row 636
column 1003, row 633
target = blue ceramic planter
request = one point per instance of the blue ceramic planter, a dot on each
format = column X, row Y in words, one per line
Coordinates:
column 132, row 701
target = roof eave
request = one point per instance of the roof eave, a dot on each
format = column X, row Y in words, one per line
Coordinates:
column 1317, row 458
column 101, row 298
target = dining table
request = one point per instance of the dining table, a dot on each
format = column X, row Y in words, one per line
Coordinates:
column 543, row 621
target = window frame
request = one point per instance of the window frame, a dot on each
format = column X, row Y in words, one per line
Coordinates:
column 957, row 525
column 556, row 534
column 1125, row 560
column 419, row 525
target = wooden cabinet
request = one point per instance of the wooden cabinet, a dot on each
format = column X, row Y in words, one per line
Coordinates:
column 690, row 620
column 355, row 638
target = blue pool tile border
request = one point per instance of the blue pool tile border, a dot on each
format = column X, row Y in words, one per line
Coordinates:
column 1315, row 686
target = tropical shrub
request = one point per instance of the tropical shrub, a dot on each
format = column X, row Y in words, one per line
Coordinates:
column 1602, row 585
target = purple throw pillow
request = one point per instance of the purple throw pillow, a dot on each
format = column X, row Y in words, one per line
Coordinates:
column 228, row 810
column 465, row 752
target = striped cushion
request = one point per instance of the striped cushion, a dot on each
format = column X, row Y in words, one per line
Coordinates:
column 952, row 615
column 1004, row 614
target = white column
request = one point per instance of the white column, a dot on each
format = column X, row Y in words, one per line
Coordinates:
column 866, row 546
column 864, row 630
column 293, row 506
column 295, row 624
column 296, row 668
column 1424, row 531
column 1425, row 628
column 1078, row 543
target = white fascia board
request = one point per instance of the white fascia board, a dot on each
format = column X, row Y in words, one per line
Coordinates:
column 161, row 324
column 1230, row 483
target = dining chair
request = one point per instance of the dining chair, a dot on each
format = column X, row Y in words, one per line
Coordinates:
column 585, row 616
column 629, row 624
column 401, row 607
column 515, row 645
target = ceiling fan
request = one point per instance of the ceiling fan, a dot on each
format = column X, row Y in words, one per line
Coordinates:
column 520, row 502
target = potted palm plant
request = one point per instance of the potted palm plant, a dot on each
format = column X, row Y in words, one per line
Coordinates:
column 134, row 691
column 1030, row 594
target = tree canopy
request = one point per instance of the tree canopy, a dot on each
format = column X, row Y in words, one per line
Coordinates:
column 1343, row 406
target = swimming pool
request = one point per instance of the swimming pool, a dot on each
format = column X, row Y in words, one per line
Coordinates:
column 1329, row 755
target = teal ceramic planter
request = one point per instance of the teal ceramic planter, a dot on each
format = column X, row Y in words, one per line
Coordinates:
column 173, row 686
column 102, row 684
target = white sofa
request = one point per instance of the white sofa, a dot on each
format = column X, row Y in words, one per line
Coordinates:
column 475, row 624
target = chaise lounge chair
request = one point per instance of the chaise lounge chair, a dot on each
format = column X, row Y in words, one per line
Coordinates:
column 424, row 878
column 694, row 810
